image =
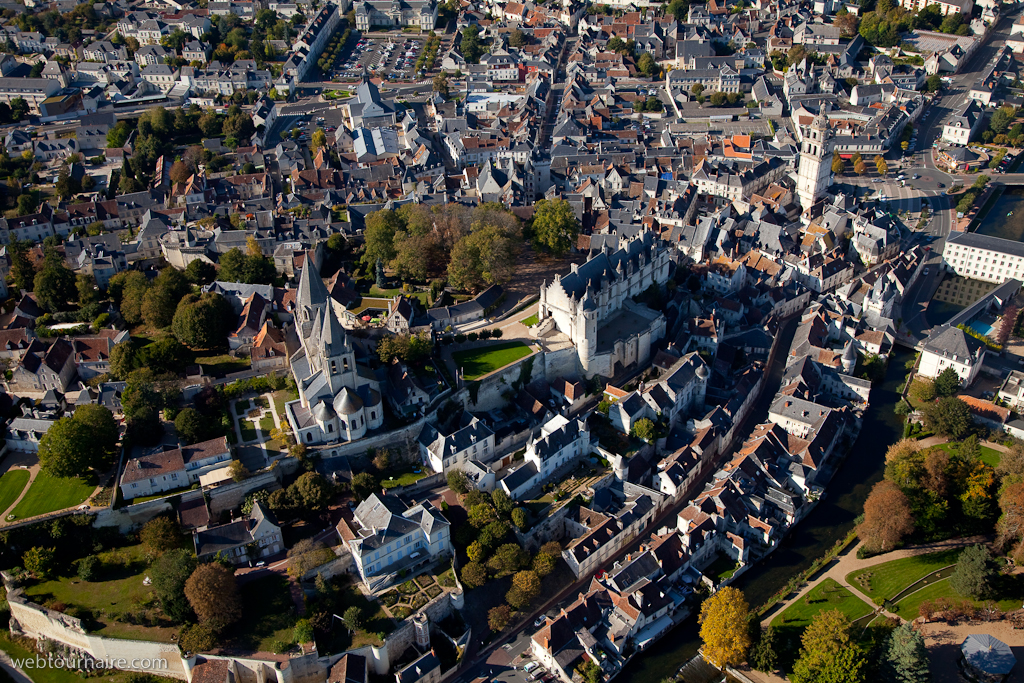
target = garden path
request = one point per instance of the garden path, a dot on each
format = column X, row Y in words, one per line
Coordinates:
column 13, row 461
column 849, row 562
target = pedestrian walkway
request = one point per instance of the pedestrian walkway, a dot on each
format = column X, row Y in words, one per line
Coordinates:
column 849, row 562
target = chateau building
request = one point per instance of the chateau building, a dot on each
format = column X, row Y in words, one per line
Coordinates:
column 593, row 305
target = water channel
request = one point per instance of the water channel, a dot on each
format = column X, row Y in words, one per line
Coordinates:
column 826, row 524
column 1006, row 217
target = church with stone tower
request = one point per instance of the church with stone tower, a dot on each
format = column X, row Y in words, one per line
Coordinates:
column 338, row 399
column 815, row 170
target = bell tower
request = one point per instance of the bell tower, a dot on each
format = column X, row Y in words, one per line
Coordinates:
column 815, row 173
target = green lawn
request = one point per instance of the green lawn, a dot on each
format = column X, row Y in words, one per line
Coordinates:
column 721, row 569
column 480, row 361
column 48, row 494
column 267, row 424
column 11, row 486
column 827, row 595
column 224, row 363
column 248, row 430
column 268, row 615
column 280, row 398
column 403, row 478
column 531, row 321
column 908, row 607
column 888, row 579
column 242, row 407
column 389, row 293
column 989, row 456
column 117, row 591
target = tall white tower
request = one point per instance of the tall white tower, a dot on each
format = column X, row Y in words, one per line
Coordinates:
column 815, row 172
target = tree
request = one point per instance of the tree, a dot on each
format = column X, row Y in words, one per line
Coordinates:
column 905, row 658
column 85, row 283
column 934, row 83
column 191, row 426
column 517, row 38
column 519, row 518
column 838, row 165
column 528, row 583
column 859, row 167
column 470, row 46
column 544, row 564
column 887, row 517
column 379, row 236
column 317, row 141
column 723, row 627
column 161, row 300
column 441, row 84
column 473, row 575
column 312, row 491
column 697, row 89
column 213, row 594
column 829, row 654
column 196, row 638
column 502, row 503
column 200, row 272
column 947, row 383
column 1001, row 118
column 180, row 172
column 476, row 552
column 589, row 671
column 21, row 267
column 67, row 185
column 303, row 631
column 643, row 429
column 55, row 286
column 169, row 573
column 382, row 459
column 481, row 515
column 554, row 226
column 847, row 24
column 352, row 617
column 39, row 561
column 1010, row 528
column 160, row 534
column 508, row 558
column 881, row 166
column 363, row 484
column 498, row 617
column 122, row 358
column 646, row 64
column 202, row 321
column 949, row 416
column 484, row 257
column 69, row 449
column 973, row 575
column 764, row 655
column 458, row 482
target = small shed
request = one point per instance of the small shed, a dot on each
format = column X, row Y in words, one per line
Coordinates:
column 986, row 659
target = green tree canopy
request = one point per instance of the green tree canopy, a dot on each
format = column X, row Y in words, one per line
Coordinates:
column 905, row 658
column 973, row 575
column 202, row 321
column 947, row 383
column 555, row 226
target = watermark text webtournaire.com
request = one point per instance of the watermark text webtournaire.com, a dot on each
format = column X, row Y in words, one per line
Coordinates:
column 52, row 661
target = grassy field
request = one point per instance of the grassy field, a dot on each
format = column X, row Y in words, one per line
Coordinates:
column 403, row 478
column 888, row 579
column 531, row 321
column 48, row 494
column 223, row 364
column 908, row 607
column 118, row 591
column 248, row 430
column 478, row 362
column 827, row 595
column 11, row 486
column 242, row 407
column 989, row 456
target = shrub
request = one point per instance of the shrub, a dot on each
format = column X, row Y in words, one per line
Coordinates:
column 496, row 334
column 86, row 567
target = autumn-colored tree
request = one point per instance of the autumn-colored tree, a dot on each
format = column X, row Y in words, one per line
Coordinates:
column 1010, row 527
column 473, row 575
column 544, row 564
column 508, row 558
column 901, row 449
column 723, row 627
column 213, row 594
column 887, row 517
column 934, row 478
column 904, row 463
column 498, row 617
column 838, row 165
column 829, row 654
column 476, row 552
column 180, row 172
column 528, row 583
column 160, row 534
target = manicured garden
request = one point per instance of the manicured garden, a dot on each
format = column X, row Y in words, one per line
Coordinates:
column 12, row 483
column 48, row 494
column 531, row 321
column 478, row 362
column 909, row 607
column 248, row 431
column 889, row 579
column 827, row 595
column 989, row 456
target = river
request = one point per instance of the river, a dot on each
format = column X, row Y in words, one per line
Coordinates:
column 825, row 525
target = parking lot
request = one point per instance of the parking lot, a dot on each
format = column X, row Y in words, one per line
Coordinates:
column 393, row 58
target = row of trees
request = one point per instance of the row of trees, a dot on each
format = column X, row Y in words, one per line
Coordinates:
column 860, row 167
